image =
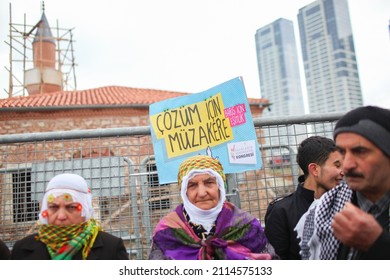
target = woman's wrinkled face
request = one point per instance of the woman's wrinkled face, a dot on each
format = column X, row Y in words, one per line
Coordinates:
column 203, row 192
column 63, row 211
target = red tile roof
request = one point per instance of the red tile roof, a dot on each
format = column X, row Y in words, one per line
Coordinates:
column 110, row 95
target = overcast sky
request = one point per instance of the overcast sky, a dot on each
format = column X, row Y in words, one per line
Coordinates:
column 191, row 46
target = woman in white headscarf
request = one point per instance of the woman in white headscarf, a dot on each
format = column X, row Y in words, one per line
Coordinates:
column 67, row 229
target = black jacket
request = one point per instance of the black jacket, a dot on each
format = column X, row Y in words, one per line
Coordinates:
column 106, row 247
column 380, row 250
column 4, row 251
column 281, row 218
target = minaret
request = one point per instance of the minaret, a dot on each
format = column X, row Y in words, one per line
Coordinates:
column 43, row 77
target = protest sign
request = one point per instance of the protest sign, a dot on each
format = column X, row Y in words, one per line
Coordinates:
column 216, row 122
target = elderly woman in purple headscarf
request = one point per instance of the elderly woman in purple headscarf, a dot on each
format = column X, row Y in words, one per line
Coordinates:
column 206, row 226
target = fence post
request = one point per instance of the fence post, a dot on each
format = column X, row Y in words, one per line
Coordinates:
column 232, row 191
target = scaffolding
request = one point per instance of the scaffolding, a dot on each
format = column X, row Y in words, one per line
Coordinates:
column 20, row 40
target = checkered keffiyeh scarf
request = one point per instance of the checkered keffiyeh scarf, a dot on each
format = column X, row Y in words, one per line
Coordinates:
column 199, row 162
column 63, row 242
column 309, row 230
column 317, row 237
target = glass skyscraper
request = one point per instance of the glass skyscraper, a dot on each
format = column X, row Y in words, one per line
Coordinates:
column 278, row 68
column 280, row 82
column 331, row 71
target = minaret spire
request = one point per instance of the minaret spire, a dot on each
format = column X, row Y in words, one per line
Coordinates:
column 43, row 77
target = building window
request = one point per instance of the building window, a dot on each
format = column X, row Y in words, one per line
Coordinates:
column 313, row 10
column 158, row 194
column 24, row 208
column 343, row 73
column 264, row 32
column 341, row 64
column 339, row 55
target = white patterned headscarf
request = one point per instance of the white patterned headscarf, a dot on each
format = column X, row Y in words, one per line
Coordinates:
column 72, row 185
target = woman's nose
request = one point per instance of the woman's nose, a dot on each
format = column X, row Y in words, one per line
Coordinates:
column 202, row 191
column 61, row 215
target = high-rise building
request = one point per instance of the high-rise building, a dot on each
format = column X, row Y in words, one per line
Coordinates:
column 331, row 71
column 280, row 83
column 277, row 62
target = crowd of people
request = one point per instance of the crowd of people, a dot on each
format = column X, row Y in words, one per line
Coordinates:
column 339, row 210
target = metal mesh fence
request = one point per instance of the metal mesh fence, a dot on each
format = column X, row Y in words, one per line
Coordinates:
column 120, row 168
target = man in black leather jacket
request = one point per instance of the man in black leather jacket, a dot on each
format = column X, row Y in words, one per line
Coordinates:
column 321, row 164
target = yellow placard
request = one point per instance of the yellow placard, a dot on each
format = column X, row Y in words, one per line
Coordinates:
column 193, row 127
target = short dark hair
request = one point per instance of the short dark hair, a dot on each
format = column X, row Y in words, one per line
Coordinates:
column 315, row 149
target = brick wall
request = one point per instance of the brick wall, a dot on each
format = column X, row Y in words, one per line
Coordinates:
column 44, row 121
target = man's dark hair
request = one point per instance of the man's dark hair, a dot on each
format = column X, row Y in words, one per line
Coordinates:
column 315, row 149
